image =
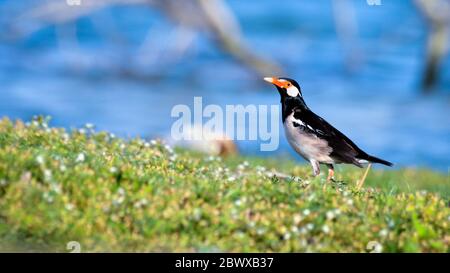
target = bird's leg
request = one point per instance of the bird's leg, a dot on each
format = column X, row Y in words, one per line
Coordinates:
column 316, row 167
column 330, row 172
column 330, row 175
column 361, row 182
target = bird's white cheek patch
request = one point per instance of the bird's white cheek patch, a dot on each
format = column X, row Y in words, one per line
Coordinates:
column 292, row 91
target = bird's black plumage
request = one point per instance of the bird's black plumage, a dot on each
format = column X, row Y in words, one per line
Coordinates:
column 343, row 149
column 340, row 148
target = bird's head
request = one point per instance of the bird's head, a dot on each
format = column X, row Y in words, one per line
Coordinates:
column 286, row 87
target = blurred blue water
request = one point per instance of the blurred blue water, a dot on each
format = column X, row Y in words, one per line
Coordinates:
column 366, row 85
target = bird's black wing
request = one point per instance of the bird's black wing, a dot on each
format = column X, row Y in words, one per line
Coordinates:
column 343, row 149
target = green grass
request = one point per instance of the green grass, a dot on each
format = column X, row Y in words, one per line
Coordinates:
column 115, row 195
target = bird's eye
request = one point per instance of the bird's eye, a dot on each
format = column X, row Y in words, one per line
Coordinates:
column 289, row 84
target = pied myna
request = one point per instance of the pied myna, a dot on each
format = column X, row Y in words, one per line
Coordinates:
column 312, row 137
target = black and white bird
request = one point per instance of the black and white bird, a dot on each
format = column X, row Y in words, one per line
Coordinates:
column 314, row 138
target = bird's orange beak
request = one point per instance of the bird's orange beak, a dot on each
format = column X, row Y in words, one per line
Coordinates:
column 275, row 81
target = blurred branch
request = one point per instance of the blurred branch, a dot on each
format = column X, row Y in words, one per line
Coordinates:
column 344, row 15
column 212, row 17
column 59, row 12
column 437, row 13
column 228, row 34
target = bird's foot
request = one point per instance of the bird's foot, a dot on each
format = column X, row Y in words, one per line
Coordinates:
column 335, row 183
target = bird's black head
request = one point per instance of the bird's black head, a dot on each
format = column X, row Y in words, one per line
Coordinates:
column 288, row 88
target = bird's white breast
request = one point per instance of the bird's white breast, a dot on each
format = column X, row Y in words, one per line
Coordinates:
column 308, row 145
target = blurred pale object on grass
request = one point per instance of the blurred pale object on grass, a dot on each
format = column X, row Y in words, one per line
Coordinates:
column 198, row 138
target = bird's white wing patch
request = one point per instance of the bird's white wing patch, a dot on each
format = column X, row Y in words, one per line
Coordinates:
column 299, row 123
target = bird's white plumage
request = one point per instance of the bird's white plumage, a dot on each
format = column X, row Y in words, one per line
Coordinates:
column 292, row 91
column 299, row 122
column 308, row 145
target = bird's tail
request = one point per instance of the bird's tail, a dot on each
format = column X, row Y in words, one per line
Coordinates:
column 379, row 160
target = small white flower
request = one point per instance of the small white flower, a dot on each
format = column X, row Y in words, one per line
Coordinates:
column 238, row 202
column 231, row 179
column 118, row 200
column 120, row 191
column 122, row 146
column 47, row 174
column 147, row 145
column 260, row 168
column 56, row 188
column 303, row 242
column 113, row 169
column 330, row 215
column 40, row 159
column 234, row 214
column 243, row 165
column 48, row 197
column 82, row 131
column 168, row 148
column 70, row 206
column 391, row 224
column 89, row 126
column 62, row 168
column 65, row 136
column 294, row 229
column 80, row 157
column 111, row 135
column 153, row 142
column 384, row 232
column 350, row 202
column 297, row 219
column 287, row 236
column 310, row 226
column 3, row 182
column 325, row 229
column 374, row 247
column 197, row 214
column 306, row 212
column 143, row 201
